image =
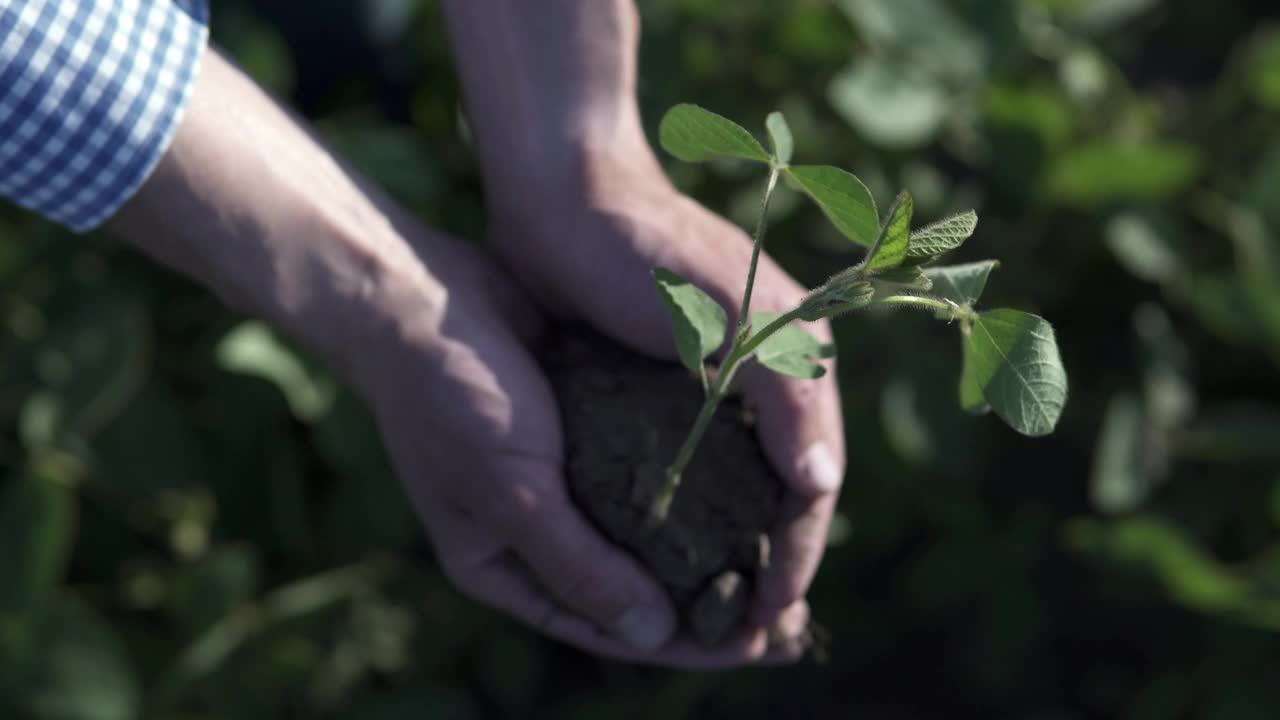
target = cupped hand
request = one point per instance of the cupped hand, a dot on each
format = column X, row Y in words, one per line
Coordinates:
column 587, row 248
column 473, row 429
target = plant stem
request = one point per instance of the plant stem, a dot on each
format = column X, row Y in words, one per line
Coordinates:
column 930, row 303
column 758, row 241
column 738, row 353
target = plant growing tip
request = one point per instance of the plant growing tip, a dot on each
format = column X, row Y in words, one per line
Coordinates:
column 1011, row 362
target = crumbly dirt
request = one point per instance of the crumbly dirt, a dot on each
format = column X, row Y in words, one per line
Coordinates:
column 625, row 417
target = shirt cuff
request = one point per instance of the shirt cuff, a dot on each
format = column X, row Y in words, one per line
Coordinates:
column 91, row 94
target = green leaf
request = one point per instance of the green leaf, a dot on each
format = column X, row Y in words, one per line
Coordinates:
column 1016, row 364
column 790, row 350
column 37, row 531
column 96, row 360
column 895, row 237
column 251, row 348
column 694, row 134
column 890, row 103
column 908, row 276
column 843, row 198
column 1142, row 249
column 698, row 322
column 1120, row 481
column 81, row 671
column 961, row 284
column 780, row 137
column 212, row 587
column 943, row 235
column 1095, row 174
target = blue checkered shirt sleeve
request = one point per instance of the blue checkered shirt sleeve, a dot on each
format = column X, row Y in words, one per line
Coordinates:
column 91, row 92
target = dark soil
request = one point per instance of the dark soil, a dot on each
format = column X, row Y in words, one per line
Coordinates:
column 625, row 417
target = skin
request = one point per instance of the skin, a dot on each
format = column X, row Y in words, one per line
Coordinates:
column 431, row 334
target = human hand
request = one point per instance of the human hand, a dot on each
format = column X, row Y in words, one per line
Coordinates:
column 474, row 432
column 427, row 333
column 586, row 245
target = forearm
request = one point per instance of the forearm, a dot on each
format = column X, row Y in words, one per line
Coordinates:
column 247, row 203
column 545, row 83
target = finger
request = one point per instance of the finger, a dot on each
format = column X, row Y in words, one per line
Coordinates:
column 796, row 548
column 507, row 585
column 581, row 569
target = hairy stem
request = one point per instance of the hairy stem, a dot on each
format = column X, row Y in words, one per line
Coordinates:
column 928, row 303
column 758, row 242
column 739, row 352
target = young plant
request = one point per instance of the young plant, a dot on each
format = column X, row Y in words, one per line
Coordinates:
column 1011, row 363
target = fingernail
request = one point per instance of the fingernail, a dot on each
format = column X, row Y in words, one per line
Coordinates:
column 820, row 466
column 645, row 628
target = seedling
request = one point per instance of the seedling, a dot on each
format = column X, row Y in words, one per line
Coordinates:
column 1011, row 363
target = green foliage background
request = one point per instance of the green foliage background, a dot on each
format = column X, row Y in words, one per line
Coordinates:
column 195, row 522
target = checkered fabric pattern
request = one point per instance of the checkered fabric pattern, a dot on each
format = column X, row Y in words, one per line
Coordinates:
column 91, row 92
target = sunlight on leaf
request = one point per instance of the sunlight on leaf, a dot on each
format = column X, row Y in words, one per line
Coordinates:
column 842, row 197
column 780, row 137
column 694, row 134
column 895, row 237
column 253, row 349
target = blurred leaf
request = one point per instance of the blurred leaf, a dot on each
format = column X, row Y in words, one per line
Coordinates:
column 256, row 46
column 1265, row 178
column 81, row 671
column 37, row 531
column 845, row 201
column 91, row 364
column 395, row 157
column 153, row 427
column 1101, row 172
column 1100, row 16
column 1120, row 482
column 253, row 349
column 1258, row 259
column 213, row 586
column 892, row 106
column 694, row 134
column 1238, row 433
column 789, row 350
column 1016, row 363
column 1141, row 248
column 961, row 284
column 905, row 430
column 1189, row 574
column 927, row 31
column 895, row 237
column 1041, row 110
column 780, row 137
column 1166, row 379
column 1223, row 306
column 698, row 322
